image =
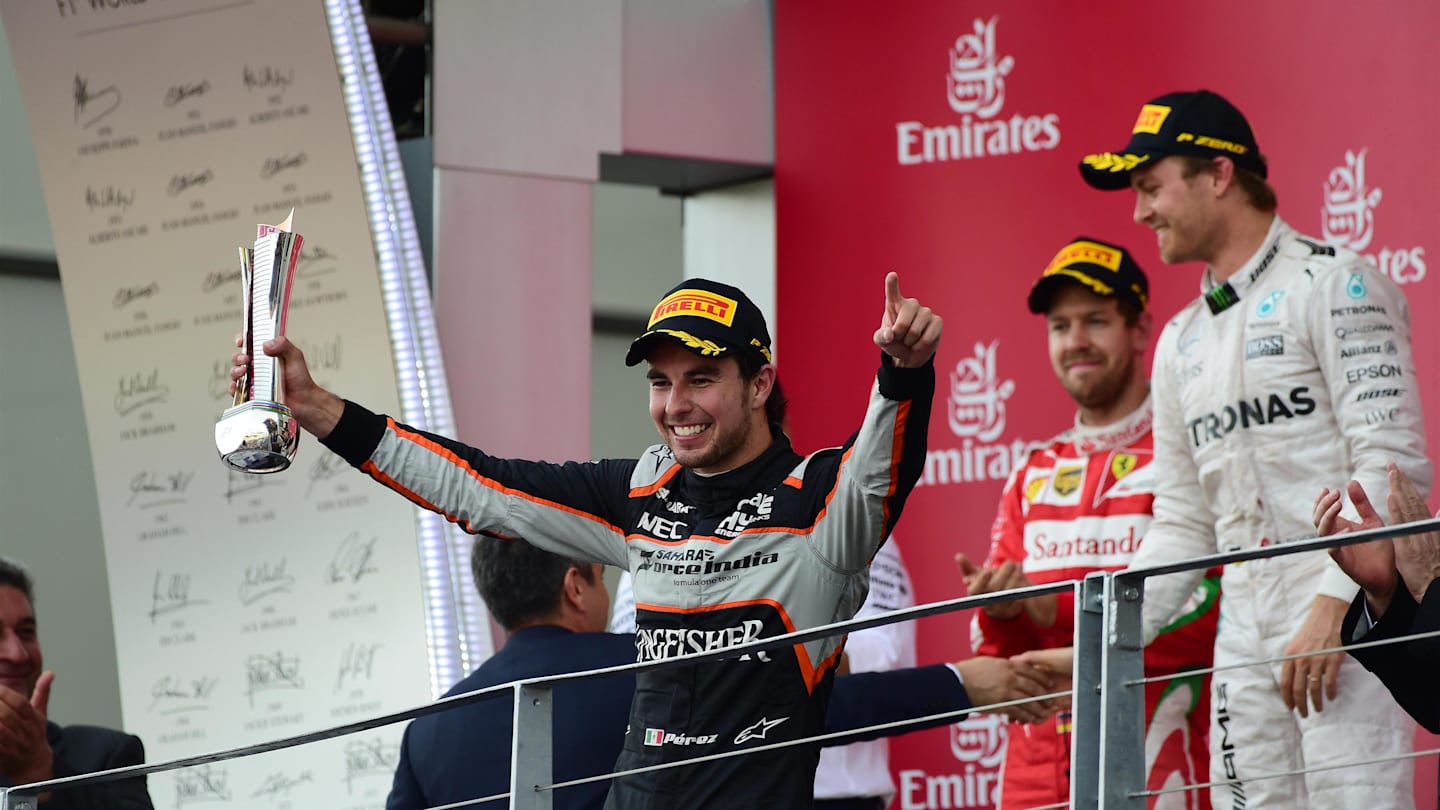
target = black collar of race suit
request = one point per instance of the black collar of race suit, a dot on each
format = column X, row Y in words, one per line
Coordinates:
column 717, row 494
column 1223, row 296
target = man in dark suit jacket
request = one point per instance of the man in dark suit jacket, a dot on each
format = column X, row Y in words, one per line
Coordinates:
column 1398, row 597
column 464, row 754
column 32, row 749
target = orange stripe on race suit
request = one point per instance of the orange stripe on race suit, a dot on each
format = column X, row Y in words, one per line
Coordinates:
column 902, row 412
column 641, row 492
column 488, row 483
column 693, row 538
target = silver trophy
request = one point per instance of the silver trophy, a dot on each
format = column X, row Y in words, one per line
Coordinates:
column 259, row 434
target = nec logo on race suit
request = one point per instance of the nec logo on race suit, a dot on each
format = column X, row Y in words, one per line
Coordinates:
column 1251, row 413
column 756, row 507
column 1347, row 217
column 662, row 528
column 975, row 90
column 655, row 643
column 976, row 414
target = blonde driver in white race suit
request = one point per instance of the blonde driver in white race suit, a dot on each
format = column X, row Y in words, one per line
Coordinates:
column 1291, row 372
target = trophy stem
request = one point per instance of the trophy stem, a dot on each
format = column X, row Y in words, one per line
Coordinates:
column 258, row 434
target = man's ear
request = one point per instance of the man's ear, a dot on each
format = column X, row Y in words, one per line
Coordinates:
column 1222, row 172
column 1143, row 328
column 571, row 588
column 761, row 386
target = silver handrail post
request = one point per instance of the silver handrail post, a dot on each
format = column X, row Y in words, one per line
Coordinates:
column 1085, row 696
column 16, row 799
column 1122, row 701
column 531, row 752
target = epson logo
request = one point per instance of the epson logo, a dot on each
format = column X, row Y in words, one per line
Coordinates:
column 1266, row 346
column 1378, row 393
column 1380, row 372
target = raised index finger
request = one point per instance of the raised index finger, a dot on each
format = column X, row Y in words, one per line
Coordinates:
column 893, row 298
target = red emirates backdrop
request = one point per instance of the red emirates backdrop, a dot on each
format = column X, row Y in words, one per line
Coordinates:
column 939, row 138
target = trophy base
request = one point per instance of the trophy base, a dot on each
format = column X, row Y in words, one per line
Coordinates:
column 257, row 437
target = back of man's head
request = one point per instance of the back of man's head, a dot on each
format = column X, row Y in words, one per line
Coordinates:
column 14, row 575
column 521, row 584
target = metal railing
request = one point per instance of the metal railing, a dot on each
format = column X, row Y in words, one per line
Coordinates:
column 1108, row 694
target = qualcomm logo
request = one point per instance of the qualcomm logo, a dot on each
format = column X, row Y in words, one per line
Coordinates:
column 1347, row 217
column 978, row 396
column 975, row 89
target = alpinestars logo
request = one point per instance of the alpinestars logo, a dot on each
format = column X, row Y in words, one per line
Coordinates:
column 976, row 413
column 1348, row 218
column 759, row 730
column 975, row 89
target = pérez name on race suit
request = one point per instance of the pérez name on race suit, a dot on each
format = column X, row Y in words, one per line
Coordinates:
column 782, row 543
column 1296, row 374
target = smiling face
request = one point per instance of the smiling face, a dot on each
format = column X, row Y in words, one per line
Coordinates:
column 1180, row 209
column 1094, row 352
column 712, row 418
column 20, row 660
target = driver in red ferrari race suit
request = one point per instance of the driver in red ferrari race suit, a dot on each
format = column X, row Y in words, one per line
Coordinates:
column 1082, row 504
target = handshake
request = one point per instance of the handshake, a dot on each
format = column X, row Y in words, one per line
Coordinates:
column 1030, row 674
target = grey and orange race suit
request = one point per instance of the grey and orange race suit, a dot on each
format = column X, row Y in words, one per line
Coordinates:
column 781, row 543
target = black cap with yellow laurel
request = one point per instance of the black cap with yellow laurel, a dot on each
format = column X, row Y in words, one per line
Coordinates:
column 1199, row 123
column 708, row 318
column 1107, row 270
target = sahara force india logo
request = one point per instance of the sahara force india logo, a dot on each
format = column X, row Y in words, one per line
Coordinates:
column 975, row 89
column 1347, row 217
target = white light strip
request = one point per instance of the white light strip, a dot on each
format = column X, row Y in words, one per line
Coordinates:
column 456, row 625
